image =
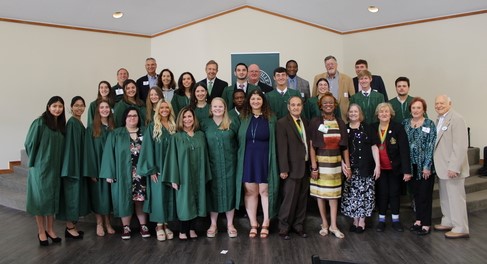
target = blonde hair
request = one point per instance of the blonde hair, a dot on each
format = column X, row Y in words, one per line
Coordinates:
column 225, row 124
column 148, row 103
column 157, row 132
column 385, row 105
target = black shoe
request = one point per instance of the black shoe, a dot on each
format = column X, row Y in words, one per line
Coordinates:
column 360, row 230
column 397, row 226
column 68, row 235
column 353, row 228
column 42, row 242
column 302, row 234
column 54, row 239
column 381, row 226
column 284, row 235
column 423, row 232
column 415, row 228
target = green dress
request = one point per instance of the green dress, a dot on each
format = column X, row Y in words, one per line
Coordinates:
column 161, row 195
column 178, row 102
column 278, row 102
column 100, row 193
column 188, row 166
column 120, row 108
column 312, row 110
column 116, row 164
column 223, row 162
column 45, row 150
column 74, row 200
column 202, row 113
column 273, row 178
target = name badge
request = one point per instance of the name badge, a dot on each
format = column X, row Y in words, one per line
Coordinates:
column 323, row 128
column 302, row 95
column 345, row 95
column 145, row 83
column 426, row 129
column 119, row 91
column 444, row 128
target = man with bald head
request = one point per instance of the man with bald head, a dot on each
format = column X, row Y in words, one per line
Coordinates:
column 254, row 78
column 451, row 164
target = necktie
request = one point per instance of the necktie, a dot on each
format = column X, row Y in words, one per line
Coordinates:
column 366, row 94
column 240, row 86
column 282, row 93
column 210, row 86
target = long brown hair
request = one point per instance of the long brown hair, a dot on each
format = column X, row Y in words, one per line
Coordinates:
column 149, row 107
column 247, row 109
column 97, row 124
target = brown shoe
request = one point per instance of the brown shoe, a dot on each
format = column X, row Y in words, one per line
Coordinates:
column 451, row 234
column 443, row 228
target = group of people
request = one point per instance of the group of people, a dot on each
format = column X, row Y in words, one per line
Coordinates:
column 176, row 154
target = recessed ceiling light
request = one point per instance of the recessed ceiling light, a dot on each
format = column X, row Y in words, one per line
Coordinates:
column 117, row 15
column 373, row 9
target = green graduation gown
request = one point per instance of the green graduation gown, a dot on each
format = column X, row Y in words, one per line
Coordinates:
column 178, row 102
column 161, row 195
column 116, row 164
column 227, row 94
column 273, row 179
column 74, row 200
column 401, row 110
column 222, row 146
column 368, row 104
column 45, row 150
column 91, row 113
column 188, row 166
column 202, row 113
column 278, row 102
column 100, row 193
column 120, row 108
column 311, row 109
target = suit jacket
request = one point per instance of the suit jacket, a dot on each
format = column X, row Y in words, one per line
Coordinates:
column 376, row 84
column 345, row 91
column 264, row 87
column 397, row 147
column 227, row 94
column 302, row 86
column 143, row 89
column 278, row 102
column 451, row 147
column 291, row 150
column 218, row 87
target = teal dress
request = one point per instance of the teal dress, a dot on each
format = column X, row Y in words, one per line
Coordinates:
column 161, row 195
column 222, row 146
column 99, row 191
column 178, row 102
column 45, row 150
column 188, row 166
column 74, row 200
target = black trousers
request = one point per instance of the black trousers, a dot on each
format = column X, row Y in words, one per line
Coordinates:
column 423, row 196
column 389, row 191
column 185, row 226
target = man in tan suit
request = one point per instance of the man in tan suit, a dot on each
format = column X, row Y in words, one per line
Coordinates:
column 451, row 164
column 341, row 85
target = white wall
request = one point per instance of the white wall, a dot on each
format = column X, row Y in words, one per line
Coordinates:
column 39, row 62
column 442, row 57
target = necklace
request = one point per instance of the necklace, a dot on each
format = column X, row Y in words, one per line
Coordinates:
column 253, row 130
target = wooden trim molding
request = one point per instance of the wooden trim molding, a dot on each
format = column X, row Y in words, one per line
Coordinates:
column 11, row 166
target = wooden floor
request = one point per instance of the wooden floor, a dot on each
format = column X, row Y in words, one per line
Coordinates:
column 18, row 244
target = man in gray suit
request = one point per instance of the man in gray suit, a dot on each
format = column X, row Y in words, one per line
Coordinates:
column 451, row 164
column 294, row 81
column 293, row 155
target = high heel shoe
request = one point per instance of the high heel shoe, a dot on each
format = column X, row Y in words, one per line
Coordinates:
column 69, row 235
column 42, row 242
column 54, row 239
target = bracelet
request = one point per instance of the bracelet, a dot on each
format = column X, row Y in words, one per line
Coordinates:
column 314, row 170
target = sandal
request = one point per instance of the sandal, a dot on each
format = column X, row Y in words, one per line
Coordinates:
column 232, row 232
column 99, row 230
column 212, row 231
column 323, row 231
column 264, row 232
column 160, row 233
column 253, row 231
column 169, row 233
column 337, row 233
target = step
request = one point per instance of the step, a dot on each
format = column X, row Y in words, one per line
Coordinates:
column 476, row 201
column 21, row 170
column 24, row 159
column 12, row 198
column 14, row 182
column 472, row 184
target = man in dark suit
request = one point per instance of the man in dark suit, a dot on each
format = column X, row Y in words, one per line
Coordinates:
column 122, row 75
column 145, row 82
column 293, row 156
column 377, row 83
column 254, row 78
column 214, row 85
column 241, row 72
column 294, row 81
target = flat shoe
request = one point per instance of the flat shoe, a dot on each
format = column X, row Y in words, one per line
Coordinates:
column 169, row 233
column 337, row 233
column 451, row 234
column 443, row 228
column 323, row 231
column 160, row 234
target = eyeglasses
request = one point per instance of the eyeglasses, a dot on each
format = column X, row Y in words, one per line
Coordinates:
column 328, row 103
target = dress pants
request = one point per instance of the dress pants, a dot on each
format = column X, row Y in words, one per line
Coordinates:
column 453, row 204
column 293, row 208
column 388, row 191
column 423, row 196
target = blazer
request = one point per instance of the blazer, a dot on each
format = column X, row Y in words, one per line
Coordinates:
column 227, row 94
column 303, row 87
column 345, row 91
column 451, row 147
column 291, row 150
column 376, row 84
column 218, row 87
column 397, row 147
column 264, row 87
column 143, row 90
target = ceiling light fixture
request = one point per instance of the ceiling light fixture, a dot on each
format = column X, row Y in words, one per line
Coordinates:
column 117, row 15
column 373, row 9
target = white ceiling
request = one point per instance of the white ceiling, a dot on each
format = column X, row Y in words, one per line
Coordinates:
column 149, row 17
